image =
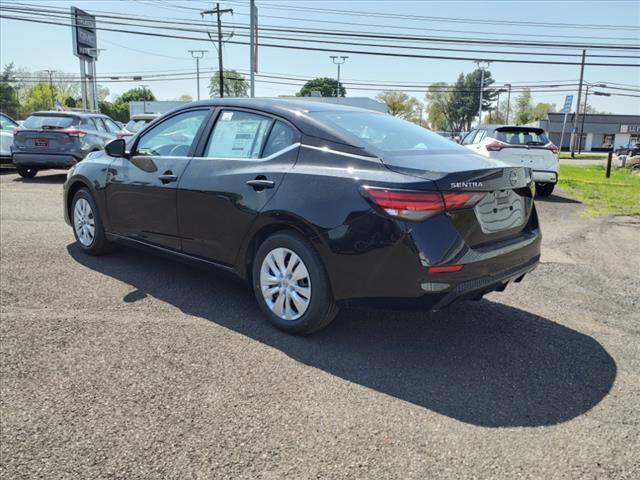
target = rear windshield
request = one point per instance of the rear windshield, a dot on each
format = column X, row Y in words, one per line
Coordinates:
column 521, row 136
column 385, row 132
column 135, row 125
column 49, row 121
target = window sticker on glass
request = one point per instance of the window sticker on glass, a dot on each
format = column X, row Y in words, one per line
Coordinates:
column 240, row 137
column 227, row 116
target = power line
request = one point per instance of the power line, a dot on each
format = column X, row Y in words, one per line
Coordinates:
column 374, row 35
column 294, row 47
column 423, row 18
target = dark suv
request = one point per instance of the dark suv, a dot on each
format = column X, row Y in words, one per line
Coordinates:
column 59, row 140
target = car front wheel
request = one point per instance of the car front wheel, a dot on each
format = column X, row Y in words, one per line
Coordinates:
column 291, row 285
column 544, row 189
column 87, row 226
column 26, row 172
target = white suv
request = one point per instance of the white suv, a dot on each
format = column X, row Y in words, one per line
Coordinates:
column 518, row 145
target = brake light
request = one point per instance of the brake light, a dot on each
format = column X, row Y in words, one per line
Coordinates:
column 445, row 269
column 552, row 147
column 18, row 129
column 418, row 206
column 457, row 200
column 74, row 132
column 495, row 146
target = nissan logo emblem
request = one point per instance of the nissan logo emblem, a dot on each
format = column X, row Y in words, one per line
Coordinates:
column 513, row 178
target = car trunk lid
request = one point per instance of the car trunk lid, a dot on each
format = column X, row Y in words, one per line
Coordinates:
column 47, row 133
column 506, row 201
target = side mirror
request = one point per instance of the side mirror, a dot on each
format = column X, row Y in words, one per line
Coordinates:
column 116, row 148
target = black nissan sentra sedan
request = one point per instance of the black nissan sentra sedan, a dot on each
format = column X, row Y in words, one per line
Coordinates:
column 312, row 204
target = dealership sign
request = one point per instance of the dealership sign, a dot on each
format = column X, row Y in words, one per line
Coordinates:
column 83, row 26
column 629, row 128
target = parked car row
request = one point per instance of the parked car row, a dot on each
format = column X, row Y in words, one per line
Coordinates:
column 54, row 139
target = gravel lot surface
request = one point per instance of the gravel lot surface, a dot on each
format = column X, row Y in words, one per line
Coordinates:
column 137, row 366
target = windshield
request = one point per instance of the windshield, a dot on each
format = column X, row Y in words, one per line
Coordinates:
column 521, row 136
column 386, row 133
column 134, row 126
column 49, row 121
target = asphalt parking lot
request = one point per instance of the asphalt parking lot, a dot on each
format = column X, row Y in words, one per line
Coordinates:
column 137, row 366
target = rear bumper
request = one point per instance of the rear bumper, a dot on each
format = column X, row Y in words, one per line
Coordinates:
column 44, row 160
column 544, row 176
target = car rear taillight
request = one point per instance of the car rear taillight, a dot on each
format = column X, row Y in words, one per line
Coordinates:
column 74, row 132
column 552, row 147
column 495, row 146
column 445, row 268
column 18, row 129
column 417, row 206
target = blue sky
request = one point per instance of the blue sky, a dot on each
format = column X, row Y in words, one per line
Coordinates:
column 38, row 46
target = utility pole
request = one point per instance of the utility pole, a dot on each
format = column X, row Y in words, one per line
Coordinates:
column 508, row 85
column 53, row 101
column 144, row 101
column 584, row 111
column 338, row 61
column 219, row 13
column 253, row 17
column 575, row 118
column 198, row 54
column 482, row 65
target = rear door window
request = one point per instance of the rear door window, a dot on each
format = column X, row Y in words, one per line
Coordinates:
column 238, row 135
column 100, row 125
column 468, row 139
column 521, row 136
column 87, row 124
column 281, row 137
column 112, row 126
column 50, row 121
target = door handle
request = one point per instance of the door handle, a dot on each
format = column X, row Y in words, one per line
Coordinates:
column 168, row 177
column 261, row 183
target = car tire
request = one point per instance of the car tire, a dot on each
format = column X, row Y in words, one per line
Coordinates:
column 544, row 189
column 303, row 303
column 87, row 224
column 26, row 172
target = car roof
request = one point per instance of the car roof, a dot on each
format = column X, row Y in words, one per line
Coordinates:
column 74, row 113
column 278, row 105
column 294, row 111
column 494, row 126
column 145, row 116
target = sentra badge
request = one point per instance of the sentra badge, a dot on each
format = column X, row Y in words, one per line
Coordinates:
column 466, row 185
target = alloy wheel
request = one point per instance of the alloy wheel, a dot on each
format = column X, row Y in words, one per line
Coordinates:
column 285, row 283
column 84, row 222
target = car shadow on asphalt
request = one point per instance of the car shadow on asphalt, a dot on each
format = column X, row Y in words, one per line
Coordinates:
column 483, row 363
column 555, row 198
column 57, row 178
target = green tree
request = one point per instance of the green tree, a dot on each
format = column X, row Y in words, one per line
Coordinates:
column 438, row 98
column 325, row 85
column 117, row 110
column 42, row 97
column 185, row 98
column 523, row 108
column 136, row 95
column 8, row 96
column 401, row 105
column 540, row 111
column 234, row 84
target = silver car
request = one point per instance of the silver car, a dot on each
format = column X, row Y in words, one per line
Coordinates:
column 59, row 140
column 7, row 124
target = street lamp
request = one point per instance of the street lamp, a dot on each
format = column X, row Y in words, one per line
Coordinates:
column 197, row 54
column 338, row 60
column 144, row 100
column 508, row 85
column 482, row 65
column 584, row 110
